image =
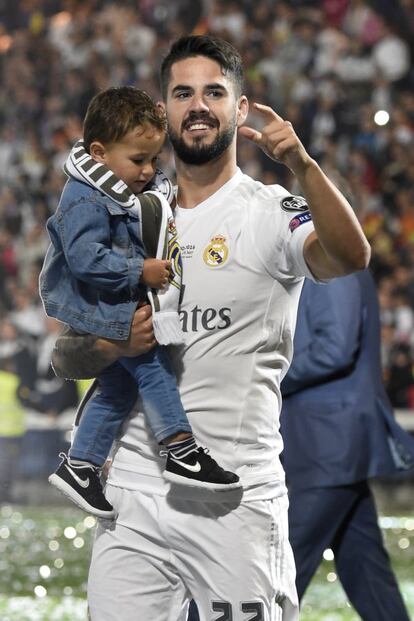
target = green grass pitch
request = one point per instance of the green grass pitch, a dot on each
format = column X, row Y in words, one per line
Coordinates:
column 44, row 555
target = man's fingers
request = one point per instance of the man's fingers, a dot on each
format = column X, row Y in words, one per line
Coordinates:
column 142, row 320
column 268, row 112
column 143, row 313
column 250, row 133
column 272, row 120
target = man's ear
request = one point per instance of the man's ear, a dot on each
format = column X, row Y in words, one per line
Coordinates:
column 242, row 110
column 97, row 152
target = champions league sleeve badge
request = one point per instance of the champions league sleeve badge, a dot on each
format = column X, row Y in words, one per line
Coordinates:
column 301, row 218
column 216, row 252
column 294, row 203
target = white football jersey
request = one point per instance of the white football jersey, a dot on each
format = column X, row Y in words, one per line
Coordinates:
column 243, row 269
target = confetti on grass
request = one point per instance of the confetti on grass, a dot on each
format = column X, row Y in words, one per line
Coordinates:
column 44, row 558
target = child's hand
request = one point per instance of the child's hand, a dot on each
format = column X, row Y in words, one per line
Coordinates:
column 156, row 273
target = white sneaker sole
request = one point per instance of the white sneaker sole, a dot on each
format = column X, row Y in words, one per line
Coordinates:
column 217, row 487
column 70, row 493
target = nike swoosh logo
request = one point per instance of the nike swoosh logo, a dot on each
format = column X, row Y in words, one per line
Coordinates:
column 195, row 468
column 78, row 480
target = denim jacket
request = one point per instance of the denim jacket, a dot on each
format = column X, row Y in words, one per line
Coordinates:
column 90, row 276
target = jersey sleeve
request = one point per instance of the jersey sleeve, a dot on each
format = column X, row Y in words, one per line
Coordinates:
column 282, row 223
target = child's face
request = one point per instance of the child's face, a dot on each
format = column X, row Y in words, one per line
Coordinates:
column 133, row 158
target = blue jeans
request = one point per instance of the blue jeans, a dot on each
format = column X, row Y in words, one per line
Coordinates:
column 151, row 375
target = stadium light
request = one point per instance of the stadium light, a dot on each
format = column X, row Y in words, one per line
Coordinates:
column 381, row 117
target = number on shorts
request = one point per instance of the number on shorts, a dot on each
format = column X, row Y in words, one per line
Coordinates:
column 225, row 608
column 252, row 608
column 256, row 608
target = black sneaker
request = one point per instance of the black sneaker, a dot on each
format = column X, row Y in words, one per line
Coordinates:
column 82, row 485
column 198, row 469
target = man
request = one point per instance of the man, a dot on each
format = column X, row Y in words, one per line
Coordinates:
column 12, row 427
column 339, row 431
column 245, row 248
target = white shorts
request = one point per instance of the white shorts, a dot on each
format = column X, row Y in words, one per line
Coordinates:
column 233, row 558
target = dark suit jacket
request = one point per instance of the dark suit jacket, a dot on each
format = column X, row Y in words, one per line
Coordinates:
column 337, row 422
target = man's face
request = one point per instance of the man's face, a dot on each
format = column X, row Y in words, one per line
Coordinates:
column 202, row 110
column 133, row 158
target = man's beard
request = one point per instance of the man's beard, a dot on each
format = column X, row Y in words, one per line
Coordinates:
column 198, row 153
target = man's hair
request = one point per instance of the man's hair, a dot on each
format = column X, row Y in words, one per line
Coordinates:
column 114, row 112
column 213, row 48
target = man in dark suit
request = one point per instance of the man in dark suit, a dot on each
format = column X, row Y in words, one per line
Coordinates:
column 339, row 431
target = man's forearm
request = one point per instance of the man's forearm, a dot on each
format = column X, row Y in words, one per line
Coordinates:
column 339, row 233
column 78, row 356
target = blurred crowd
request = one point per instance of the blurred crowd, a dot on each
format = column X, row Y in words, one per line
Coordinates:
column 339, row 70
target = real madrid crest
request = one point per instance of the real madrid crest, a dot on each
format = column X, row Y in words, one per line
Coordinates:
column 216, row 253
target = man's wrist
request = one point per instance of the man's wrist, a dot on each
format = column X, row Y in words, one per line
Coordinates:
column 108, row 350
column 307, row 166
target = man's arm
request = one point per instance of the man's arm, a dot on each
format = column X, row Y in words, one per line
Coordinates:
column 80, row 356
column 85, row 356
column 338, row 246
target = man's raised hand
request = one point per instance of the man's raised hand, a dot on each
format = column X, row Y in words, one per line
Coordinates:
column 278, row 140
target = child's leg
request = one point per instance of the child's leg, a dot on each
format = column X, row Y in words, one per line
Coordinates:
column 103, row 414
column 79, row 476
column 158, row 390
column 187, row 463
